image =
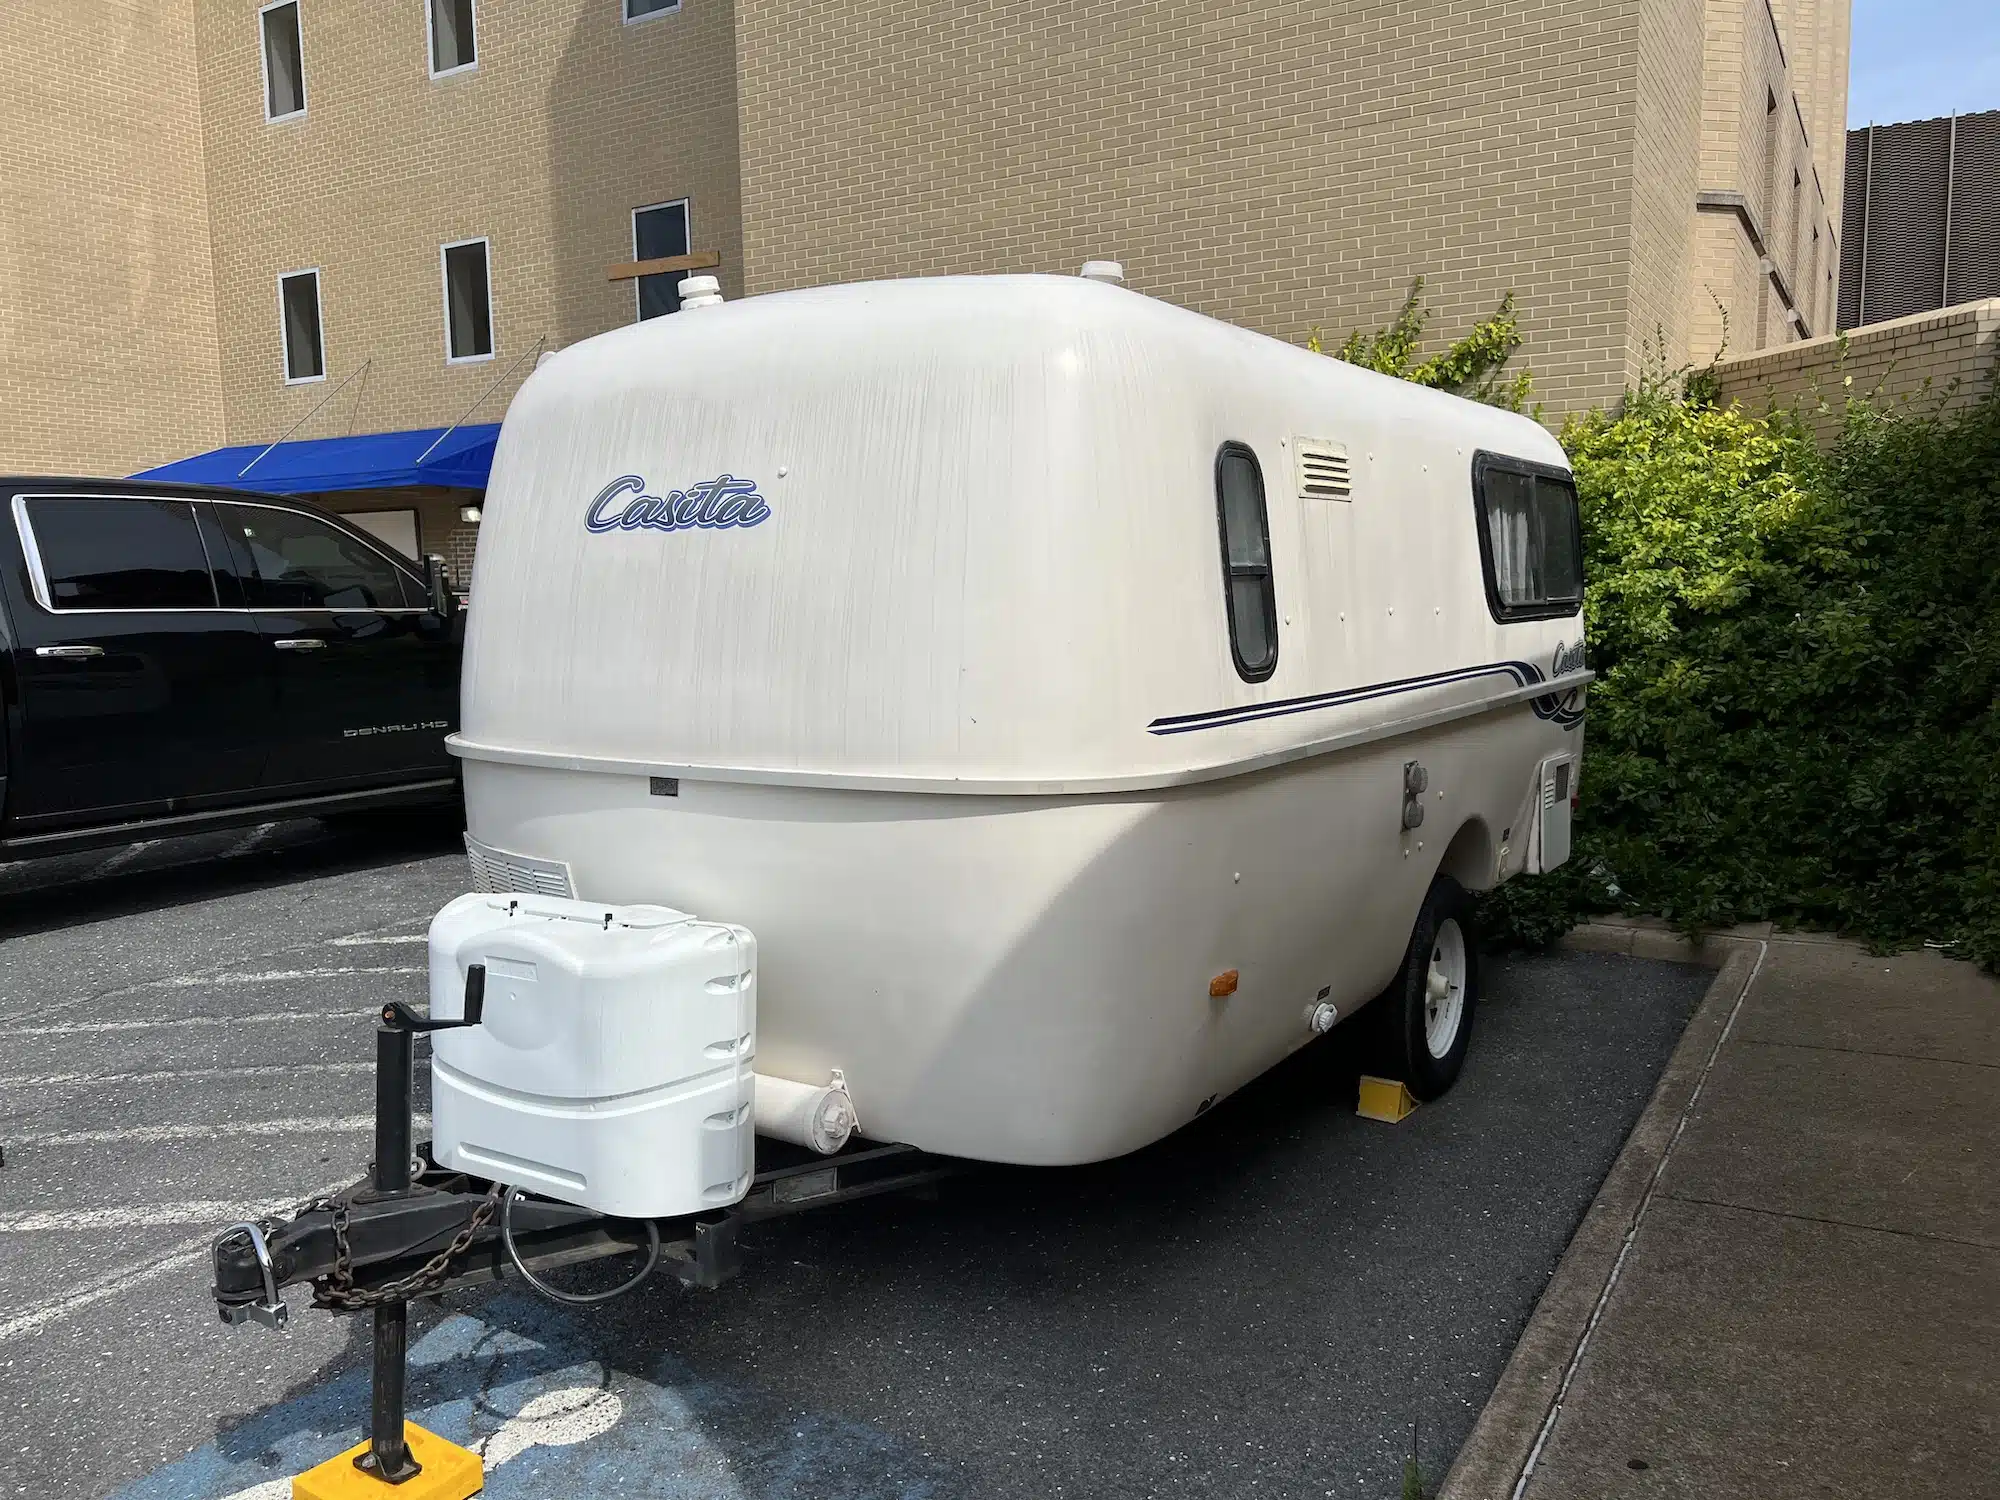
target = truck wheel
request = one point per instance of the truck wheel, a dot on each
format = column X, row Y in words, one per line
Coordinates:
column 1425, row 1016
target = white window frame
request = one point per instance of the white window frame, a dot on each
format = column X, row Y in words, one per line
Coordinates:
column 264, row 63
column 686, row 206
column 285, row 331
column 625, row 10
column 430, row 50
column 444, row 292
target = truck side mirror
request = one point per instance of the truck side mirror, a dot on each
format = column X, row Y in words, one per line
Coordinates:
column 444, row 603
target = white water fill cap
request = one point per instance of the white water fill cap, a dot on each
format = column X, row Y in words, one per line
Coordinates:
column 700, row 291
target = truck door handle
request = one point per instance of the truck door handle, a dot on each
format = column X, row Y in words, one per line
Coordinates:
column 69, row 653
column 301, row 643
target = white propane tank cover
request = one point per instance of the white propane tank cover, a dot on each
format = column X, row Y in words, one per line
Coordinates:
column 613, row 1067
column 1112, row 271
column 700, row 291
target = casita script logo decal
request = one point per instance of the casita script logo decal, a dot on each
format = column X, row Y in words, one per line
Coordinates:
column 713, row 504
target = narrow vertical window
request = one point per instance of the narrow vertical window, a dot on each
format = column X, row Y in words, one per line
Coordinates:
column 284, row 61
column 1250, row 599
column 659, row 231
column 298, row 321
column 454, row 43
column 638, row 10
column 468, row 304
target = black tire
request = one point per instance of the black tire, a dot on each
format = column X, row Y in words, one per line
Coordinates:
column 1403, row 1011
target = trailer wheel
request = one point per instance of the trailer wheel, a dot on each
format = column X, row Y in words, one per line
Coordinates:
column 1426, row 1014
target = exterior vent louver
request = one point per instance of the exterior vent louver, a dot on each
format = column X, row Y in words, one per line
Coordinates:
column 1323, row 470
column 497, row 870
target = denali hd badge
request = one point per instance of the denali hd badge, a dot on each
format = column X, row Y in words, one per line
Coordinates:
column 714, row 504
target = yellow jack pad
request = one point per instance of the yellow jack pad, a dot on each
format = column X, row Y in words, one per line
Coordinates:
column 1385, row 1099
column 449, row 1473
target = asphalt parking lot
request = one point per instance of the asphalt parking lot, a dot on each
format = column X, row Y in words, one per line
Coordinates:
column 1271, row 1302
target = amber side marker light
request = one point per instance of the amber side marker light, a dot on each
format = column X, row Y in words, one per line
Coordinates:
column 1223, row 984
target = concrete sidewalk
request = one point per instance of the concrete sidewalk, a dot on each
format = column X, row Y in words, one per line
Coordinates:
column 1789, row 1284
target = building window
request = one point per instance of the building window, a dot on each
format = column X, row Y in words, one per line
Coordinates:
column 1530, row 540
column 468, row 302
column 639, row 10
column 298, row 323
column 659, row 231
column 284, row 61
column 453, row 27
column 1248, row 596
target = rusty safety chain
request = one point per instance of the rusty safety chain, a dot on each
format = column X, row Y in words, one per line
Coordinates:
column 337, row 1291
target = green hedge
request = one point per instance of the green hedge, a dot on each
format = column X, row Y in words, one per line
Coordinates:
column 1797, row 715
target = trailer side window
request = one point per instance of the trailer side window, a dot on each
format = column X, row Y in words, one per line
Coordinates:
column 1246, row 563
column 1529, row 539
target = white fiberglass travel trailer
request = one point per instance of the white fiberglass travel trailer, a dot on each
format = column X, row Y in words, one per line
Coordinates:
column 1082, row 701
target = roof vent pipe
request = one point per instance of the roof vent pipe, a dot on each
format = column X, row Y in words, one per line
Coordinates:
column 1104, row 270
column 700, row 291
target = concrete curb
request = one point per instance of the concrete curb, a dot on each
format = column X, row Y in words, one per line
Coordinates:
column 1491, row 1462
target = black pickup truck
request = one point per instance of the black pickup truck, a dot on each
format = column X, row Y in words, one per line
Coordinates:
column 182, row 659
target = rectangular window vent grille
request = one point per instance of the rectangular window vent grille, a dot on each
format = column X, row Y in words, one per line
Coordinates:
column 497, row 870
column 1323, row 470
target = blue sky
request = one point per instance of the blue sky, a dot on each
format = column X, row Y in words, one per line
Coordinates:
column 1913, row 59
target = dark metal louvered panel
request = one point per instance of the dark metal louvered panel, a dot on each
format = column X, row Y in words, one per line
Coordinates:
column 1903, row 182
column 1852, row 215
column 1904, row 271
column 1975, row 209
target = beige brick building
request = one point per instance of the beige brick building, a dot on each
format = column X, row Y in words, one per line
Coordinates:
column 1625, row 167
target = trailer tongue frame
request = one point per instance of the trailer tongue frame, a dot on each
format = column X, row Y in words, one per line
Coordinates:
column 412, row 1229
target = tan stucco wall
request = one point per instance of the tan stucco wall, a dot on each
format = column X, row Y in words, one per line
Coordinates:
column 570, row 121
column 1940, row 361
column 108, row 352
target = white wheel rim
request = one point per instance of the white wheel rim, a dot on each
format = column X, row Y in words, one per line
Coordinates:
column 1444, row 988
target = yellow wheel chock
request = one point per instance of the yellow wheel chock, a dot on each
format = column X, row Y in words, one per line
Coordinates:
column 1384, row 1099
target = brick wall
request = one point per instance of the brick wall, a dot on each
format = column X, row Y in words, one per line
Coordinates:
column 1772, row 160
column 571, row 120
column 1666, row 175
column 108, row 358
column 1277, row 164
column 1937, row 360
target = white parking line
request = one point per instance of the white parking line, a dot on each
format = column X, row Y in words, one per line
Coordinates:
column 249, row 840
column 111, row 1283
column 91, row 1028
column 272, row 976
column 364, row 940
column 145, row 1216
column 124, row 856
column 180, row 1075
column 324, row 1125
column 204, row 981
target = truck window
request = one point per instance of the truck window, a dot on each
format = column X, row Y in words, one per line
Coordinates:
column 1248, row 594
column 294, row 561
column 1529, row 539
column 98, row 553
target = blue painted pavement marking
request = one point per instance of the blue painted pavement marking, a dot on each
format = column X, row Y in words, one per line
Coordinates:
column 521, row 1385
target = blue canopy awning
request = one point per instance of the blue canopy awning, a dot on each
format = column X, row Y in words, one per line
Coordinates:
column 370, row 461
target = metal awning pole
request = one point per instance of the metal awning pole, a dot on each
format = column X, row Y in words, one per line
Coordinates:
column 480, row 402
column 308, row 416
